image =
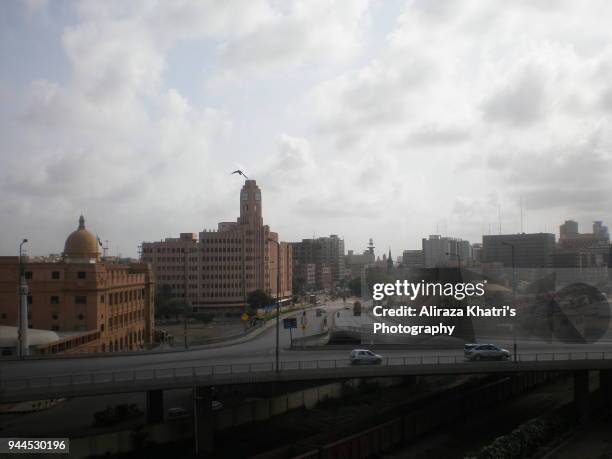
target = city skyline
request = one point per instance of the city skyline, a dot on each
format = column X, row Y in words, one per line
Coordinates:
column 135, row 115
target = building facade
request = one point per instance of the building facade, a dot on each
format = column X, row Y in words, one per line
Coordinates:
column 439, row 251
column 216, row 270
column 413, row 259
column 92, row 305
column 326, row 254
column 534, row 250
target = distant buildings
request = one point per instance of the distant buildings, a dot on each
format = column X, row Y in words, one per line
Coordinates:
column 413, row 259
column 218, row 269
column 324, row 255
column 582, row 250
column 477, row 253
column 439, row 251
column 356, row 263
column 89, row 304
column 533, row 250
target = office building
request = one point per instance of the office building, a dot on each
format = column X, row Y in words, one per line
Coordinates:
column 439, row 251
column 534, row 250
column 413, row 259
column 216, row 270
column 326, row 254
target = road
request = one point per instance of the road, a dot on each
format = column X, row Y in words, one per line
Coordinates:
column 259, row 349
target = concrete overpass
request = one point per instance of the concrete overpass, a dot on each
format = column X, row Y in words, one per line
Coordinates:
column 140, row 380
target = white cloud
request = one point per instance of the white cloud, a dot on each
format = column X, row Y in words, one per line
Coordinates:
column 350, row 123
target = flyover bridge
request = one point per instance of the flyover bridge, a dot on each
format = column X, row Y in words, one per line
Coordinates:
column 159, row 379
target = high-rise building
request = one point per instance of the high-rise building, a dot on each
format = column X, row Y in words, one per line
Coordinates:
column 325, row 253
column 568, row 229
column 88, row 303
column 534, row 250
column 582, row 250
column 218, row 269
column 413, row 259
column 439, row 251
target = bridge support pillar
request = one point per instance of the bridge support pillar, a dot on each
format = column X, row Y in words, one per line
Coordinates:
column 155, row 406
column 605, row 387
column 581, row 395
column 203, row 421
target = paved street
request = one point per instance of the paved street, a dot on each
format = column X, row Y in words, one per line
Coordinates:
column 259, row 349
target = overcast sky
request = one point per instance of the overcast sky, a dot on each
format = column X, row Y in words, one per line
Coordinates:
column 383, row 119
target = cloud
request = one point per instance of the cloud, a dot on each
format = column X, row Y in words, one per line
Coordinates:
column 519, row 104
column 354, row 118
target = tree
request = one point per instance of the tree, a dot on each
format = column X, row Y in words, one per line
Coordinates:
column 204, row 317
column 174, row 307
column 163, row 296
column 258, row 299
column 355, row 286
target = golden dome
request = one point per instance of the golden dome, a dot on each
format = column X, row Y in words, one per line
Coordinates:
column 81, row 244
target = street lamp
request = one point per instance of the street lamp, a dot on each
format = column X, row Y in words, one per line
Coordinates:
column 22, row 312
column 513, row 297
column 277, row 300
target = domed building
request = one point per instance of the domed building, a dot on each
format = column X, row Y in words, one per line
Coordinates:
column 91, row 303
column 81, row 245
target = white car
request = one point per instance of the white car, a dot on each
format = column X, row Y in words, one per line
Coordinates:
column 359, row 356
column 485, row 352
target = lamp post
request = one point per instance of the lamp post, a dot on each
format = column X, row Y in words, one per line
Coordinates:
column 22, row 316
column 277, row 300
column 513, row 298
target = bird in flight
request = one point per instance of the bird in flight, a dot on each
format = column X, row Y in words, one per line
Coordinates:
column 239, row 172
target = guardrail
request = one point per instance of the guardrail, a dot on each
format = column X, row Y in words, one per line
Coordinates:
column 199, row 373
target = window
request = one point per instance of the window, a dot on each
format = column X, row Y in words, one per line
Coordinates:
column 80, row 299
column 55, row 275
column 81, row 275
column 55, row 327
column 30, row 299
column 101, row 298
column 4, row 315
column 80, row 316
column 101, row 327
column 55, row 300
column 54, row 316
column 28, row 274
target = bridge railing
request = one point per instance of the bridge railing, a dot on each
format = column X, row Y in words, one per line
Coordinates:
column 197, row 373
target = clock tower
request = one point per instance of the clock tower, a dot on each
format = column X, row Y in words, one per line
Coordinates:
column 250, row 204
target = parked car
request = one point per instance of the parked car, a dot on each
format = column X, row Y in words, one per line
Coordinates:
column 365, row 356
column 177, row 412
column 485, row 352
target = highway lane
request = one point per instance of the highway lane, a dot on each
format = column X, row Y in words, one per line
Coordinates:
column 259, row 349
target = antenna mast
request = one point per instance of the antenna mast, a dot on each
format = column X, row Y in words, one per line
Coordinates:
column 521, row 204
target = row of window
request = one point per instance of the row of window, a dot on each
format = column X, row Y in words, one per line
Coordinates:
column 54, row 299
column 207, row 268
column 114, row 298
column 125, row 319
column 125, row 342
column 125, row 296
column 55, row 275
column 219, row 276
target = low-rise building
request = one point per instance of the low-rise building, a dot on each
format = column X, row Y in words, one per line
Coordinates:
column 93, row 305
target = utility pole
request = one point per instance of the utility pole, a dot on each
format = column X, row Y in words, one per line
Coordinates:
column 23, row 348
column 514, row 346
column 277, row 302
